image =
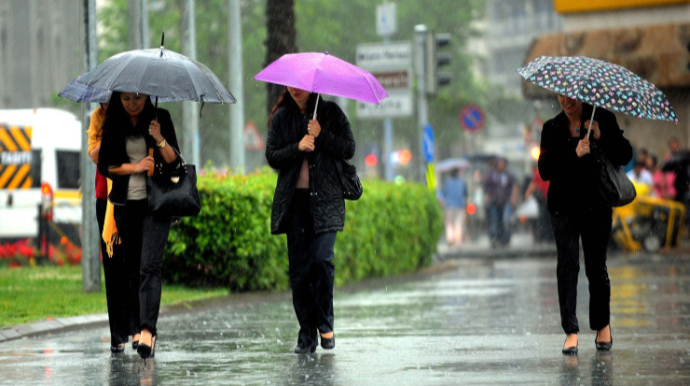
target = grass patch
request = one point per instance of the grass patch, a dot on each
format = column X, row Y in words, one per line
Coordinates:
column 34, row 294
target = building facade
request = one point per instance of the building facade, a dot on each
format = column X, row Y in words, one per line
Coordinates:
column 649, row 37
column 39, row 50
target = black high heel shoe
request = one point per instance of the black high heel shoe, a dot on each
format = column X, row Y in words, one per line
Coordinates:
column 604, row 346
column 135, row 344
column 145, row 351
column 328, row 343
column 117, row 349
column 569, row 350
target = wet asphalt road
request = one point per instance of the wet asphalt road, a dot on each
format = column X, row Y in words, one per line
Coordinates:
column 479, row 322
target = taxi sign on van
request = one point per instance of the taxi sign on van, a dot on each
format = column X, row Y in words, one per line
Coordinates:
column 15, row 157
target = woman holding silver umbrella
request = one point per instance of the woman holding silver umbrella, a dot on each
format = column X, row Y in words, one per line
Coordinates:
column 132, row 127
column 565, row 160
column 137, row 135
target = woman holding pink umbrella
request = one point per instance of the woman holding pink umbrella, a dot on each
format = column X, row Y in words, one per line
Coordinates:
column 308, row 204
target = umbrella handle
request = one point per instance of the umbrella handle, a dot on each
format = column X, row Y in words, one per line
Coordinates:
column 150, row 172
column 591, row 122
column 314, row 116
column 316, row 105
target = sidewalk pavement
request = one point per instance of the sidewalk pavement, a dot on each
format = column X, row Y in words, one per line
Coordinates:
column 521, row 244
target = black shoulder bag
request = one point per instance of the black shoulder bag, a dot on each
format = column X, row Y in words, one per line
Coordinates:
column 614, row 188
column 352, row 187
column 174, row 193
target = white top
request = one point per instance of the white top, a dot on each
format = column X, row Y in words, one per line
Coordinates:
column 645, row 177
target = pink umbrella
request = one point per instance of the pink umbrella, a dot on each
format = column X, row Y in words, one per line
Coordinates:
column 324, row 74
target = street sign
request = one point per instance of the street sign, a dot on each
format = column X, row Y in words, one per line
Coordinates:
column 428, row 142
column 252, row 138
column 398, row 104
column 386, row 23
column 391, row 65
column 472, row 118
column 394, row 55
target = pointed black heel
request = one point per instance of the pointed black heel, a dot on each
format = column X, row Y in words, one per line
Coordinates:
column 569, row 350
column 328, row 343
column 135, row 345
column 604, row 346
column 146, row 351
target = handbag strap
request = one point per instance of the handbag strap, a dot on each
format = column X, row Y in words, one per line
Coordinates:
column 183, row 163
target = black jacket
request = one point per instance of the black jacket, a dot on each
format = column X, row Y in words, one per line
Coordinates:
column 113, row 153
column 573, row 179
column 334, row 143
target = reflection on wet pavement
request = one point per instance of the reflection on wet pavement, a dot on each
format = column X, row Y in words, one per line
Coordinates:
column 484, row 322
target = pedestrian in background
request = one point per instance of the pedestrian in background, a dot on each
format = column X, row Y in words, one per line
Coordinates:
column 133, row 126
column 453, row 196
column 539, row 190
column 639, row 174
column 662, row 182
column 121, row 313
column 500, row 192
column 565, row 160
column 308, row 204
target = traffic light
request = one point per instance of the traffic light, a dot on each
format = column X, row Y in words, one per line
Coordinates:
column 434, row 60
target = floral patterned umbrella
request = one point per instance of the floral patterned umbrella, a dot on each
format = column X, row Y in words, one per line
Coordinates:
column 601, row 84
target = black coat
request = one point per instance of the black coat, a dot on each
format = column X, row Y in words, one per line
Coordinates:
column 574, row 180
column 334, row 143
column 113, row 152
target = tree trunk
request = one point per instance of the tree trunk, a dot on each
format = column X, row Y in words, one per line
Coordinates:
column 280, row 27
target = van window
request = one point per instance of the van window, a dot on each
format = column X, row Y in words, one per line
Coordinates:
column 68, row 169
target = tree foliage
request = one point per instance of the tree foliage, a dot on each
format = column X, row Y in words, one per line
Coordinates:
column 321, row 25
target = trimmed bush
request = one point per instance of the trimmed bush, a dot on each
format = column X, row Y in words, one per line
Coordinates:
column 392, row 229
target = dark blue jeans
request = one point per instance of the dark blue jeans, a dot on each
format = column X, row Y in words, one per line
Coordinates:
column 312, row 271
column 594, row 226
column 144, row 237
column 123, row 310
column 495, row 219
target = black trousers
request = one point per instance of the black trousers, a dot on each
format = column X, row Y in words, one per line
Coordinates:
column 311, row 271
column 123, row 310
column 594, row 226
column 144, row 237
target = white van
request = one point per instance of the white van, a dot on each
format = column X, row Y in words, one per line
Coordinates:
column 39, row 149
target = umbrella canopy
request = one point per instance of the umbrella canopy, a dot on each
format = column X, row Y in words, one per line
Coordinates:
column 158, row 73
column 82, row 93
column 599, row 83
column 452, row 163
column 324, row 74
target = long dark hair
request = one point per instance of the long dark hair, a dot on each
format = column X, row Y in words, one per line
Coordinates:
column 116, row 118
column 289, row 103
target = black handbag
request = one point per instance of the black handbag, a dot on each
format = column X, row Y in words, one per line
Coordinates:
column 352, row 187
column 173, row 193
column 614, row 188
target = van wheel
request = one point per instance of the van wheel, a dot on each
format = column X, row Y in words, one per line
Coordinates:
column 652, row 243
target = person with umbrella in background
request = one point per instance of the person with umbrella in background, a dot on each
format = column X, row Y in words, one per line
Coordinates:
column 565, row 161
column 132, row 126
column 308, row 204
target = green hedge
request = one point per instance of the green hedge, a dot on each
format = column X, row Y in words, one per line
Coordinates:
column 392, row 229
